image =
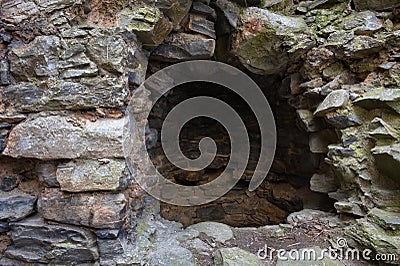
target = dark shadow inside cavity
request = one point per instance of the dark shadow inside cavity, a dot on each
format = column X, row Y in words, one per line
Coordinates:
column 285, row 189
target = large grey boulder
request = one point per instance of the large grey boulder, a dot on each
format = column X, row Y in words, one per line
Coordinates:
column 58, row 137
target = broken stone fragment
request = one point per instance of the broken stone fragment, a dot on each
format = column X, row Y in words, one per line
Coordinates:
column 59, row 137
column 15, row 205
column 334, row 100
column 148, row 23
column 100, row 210
column 362, row 46
column 46, row 172
column 204, row 10
column 201, row 25
column 266, row 40
column 183, row 46
column 365, row 233
column 4, row 72
column 90, row 175
column 342, row 120
column 362, row 22
column 388, row 220
column 218, row 231
column 18, row 11
column 89, row 93
column 380, row 97
column 375, row 4
column 235, row 256
column 35, row 241
column 230, row 10
column 175, row 10
column 51, row 5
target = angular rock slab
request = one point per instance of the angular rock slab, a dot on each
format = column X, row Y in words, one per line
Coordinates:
column 94, row 210
column 261, row 43
column 58, row 137
column 183, row 46
column 385, row 219
column 90, row 175
column 15, row 205
column 235, row 257
column 335, row 99
column 220, row 232
column 148, row 23
column 175, row 10
column 375, row 4
column 108, row 92
column 38, row 242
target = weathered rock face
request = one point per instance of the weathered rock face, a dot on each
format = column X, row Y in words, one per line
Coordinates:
column 93, row 210
column 267, row 41
column 35, row 241
column 68, row 69
column 91, row 175
column 16, row 205
column 57, row 137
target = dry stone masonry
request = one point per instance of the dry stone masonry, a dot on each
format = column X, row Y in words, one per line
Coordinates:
column 329, row 68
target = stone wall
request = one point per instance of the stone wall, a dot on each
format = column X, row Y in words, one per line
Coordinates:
column 67, row 69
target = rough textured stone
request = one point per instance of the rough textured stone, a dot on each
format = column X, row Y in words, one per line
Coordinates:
column 38, row 242
column 230, row 10
column 220, row 232
column 175, row 10
column 335, row 99
column 386, row 219
column 200, row 25
column 263, row 43
column 17, row 11
column 183, row 46
column 93, row 210
column 15, row 205
column 36, row 138
column 235, row 257
column 380, row 97
column 374, row 237
column 4, row 72
column 148, row 23
column 59, row 95
column 46, row 172
column 204, row 10
column 90, row 175
column 375, row 4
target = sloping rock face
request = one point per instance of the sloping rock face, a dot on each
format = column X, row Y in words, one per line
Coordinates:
column 68, row 70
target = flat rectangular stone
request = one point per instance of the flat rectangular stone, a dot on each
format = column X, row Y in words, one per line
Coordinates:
column 15, row 205
column 90, row 175
column 183, row 46
column 58, row 137
column 201, row 25
column 100, row 210
column 38, row 242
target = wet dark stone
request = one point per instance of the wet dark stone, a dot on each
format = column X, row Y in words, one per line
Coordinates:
column 16, row 205
column 8, row 183
column 107, row 234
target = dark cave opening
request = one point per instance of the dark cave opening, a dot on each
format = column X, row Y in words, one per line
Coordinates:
column 286, row 187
